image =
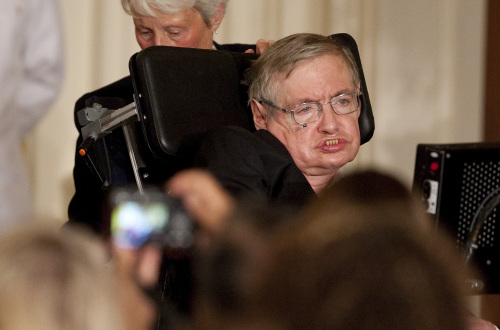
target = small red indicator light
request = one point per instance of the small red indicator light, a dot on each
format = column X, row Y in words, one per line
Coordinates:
column 434, row 166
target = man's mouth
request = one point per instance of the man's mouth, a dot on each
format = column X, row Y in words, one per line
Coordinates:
column 332, row 142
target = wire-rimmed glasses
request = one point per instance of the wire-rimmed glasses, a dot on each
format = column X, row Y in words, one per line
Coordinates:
column 309, row 112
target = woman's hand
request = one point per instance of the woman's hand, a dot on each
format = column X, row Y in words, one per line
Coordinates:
column 261, row 46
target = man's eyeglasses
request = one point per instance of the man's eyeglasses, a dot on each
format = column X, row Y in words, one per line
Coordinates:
column 309, row 112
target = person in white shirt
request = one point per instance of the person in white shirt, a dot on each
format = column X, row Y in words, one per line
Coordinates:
column 31, row 71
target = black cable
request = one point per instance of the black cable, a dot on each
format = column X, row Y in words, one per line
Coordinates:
column 484, row 210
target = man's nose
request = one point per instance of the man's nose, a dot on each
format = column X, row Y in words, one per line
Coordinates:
column 329, row 118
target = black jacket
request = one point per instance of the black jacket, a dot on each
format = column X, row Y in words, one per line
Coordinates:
column 254, row 163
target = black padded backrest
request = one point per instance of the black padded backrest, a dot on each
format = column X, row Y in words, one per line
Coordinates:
column 181, row 93
column 366, row 120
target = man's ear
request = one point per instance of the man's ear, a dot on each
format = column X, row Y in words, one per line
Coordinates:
column 218, row 16
column 259, row 113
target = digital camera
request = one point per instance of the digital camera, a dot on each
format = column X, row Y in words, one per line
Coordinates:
column 149, row 217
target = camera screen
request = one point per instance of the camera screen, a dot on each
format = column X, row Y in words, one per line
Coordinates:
column 134, row 223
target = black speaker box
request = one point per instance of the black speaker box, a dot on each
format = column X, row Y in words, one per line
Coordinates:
column 459, row 186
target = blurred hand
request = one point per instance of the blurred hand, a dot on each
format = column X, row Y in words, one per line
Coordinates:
column 136, row 269
column 261, row 46
column 207, row 202
column 476, row 323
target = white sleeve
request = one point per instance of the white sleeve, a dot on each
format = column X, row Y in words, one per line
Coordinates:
column 43, row 63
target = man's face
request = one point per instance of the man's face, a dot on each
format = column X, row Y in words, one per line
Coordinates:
column 184, row 29
column 324, row 146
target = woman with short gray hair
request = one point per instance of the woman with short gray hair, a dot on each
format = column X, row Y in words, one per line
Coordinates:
column 181, row 23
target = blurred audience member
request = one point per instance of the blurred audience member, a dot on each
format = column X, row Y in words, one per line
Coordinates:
column 54, row 281
column 31, row 70
column 362, row 256
column 137, row 277
column 226, row 269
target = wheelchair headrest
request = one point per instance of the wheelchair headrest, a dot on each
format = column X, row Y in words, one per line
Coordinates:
column 181, row 93
column 366, row 120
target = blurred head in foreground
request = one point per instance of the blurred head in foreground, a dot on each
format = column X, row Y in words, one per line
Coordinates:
column 54, row 281
column 362, row 257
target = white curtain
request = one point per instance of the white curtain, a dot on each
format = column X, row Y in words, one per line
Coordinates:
column 423, row 61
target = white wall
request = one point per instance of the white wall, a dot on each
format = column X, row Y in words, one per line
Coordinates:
column 427, row 77
column 423, row 60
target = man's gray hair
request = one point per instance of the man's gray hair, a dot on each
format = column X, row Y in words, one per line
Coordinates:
column 280, row 59
column 206, row 8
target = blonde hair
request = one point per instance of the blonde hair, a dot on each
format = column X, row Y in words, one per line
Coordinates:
column 54, row 279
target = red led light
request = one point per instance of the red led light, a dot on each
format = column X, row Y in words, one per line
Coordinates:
column 434, row 166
